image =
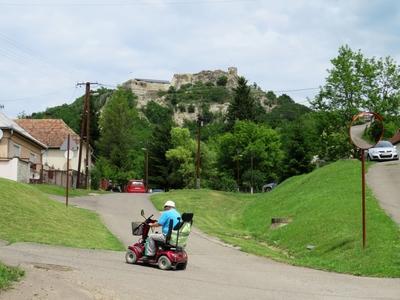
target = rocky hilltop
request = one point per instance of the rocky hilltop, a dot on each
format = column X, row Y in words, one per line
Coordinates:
column 206, row 76
column 161, row 91
column 148, row 89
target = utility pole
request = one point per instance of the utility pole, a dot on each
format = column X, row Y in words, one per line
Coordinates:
column 199, row 125
column 87, row 138
column 84, row 134
column 67, row 186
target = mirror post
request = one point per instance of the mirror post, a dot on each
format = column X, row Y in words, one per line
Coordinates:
column 364, row 232
column 365, row 131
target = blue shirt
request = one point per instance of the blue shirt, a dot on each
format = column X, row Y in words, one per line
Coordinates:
column 166, row 216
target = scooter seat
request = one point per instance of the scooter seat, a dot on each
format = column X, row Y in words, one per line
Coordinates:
column 167, row 246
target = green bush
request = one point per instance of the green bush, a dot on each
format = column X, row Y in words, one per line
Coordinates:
column 224, row 182
column 181, row 108
column 9, row 274
column 256, row 177
column 222, row 81
column 191, row 109
column 390, row 129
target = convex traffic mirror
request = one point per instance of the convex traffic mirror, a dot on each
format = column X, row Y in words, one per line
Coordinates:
column 366, row 129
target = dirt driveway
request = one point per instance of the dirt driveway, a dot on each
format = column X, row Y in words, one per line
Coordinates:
column 215, row 271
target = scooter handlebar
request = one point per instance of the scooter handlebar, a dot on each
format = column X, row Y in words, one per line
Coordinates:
column 149, row 220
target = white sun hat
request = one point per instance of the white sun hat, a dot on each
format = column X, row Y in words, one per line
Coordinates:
column 169, row 203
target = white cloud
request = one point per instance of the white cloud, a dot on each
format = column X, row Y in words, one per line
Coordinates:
column 280, row 45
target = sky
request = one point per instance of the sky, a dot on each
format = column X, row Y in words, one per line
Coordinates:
column 47, row 46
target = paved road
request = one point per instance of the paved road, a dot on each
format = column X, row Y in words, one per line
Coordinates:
column 384, row 180
column 215, row 271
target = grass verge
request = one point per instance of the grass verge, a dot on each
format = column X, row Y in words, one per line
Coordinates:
column 325, row 208
column 60, row 191
column 8, row 275
column 28, row 215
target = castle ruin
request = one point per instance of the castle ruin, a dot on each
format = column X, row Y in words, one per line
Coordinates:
column 148, row 89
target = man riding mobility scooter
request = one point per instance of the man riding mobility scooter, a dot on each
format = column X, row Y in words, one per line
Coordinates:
column 169, row 255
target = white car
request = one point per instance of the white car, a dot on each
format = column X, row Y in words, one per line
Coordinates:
column 384, row 150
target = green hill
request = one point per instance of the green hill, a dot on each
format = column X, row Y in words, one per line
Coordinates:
column 28, row 215
column 325, row 231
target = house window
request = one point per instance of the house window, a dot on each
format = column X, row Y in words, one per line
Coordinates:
column 17, row 150
column 32, row 158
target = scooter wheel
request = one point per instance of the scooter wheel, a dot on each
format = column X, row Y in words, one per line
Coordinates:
column 164, row 263
column 130, row 257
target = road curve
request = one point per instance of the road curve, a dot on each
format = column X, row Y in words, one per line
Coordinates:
column 215, row 271
column 356, row 133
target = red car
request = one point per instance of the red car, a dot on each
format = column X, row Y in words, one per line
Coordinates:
column 135, row 186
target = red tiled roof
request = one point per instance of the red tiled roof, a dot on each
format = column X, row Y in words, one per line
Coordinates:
column 396, row 138
column 51, row 132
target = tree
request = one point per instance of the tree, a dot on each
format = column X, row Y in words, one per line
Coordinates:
column 271, row 96
column 160, row 141
column 243, row 105
column 286, row 111
column 182, row 158
column 382, row 87
column 250, row 142
column 298, row 139
column 157, row 114
column 354, row 83
column 222, row 80
column 118, row 137
column 159, row 166
column 343, row 90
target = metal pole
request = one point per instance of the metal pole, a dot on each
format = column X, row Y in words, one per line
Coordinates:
column 67, row 187
column 87, row 134
column 251, row 188
column 238, row 177
column 199, row 121
column 364, row 233
column 83, row 126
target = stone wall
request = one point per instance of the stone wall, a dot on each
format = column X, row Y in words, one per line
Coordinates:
column 146, row 90
column 205, row 76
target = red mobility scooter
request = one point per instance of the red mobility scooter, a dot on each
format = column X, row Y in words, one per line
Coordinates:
column 169, row 255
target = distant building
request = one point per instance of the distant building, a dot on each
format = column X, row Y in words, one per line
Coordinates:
column 146, row 89
column 20, row 152
column 53, row 133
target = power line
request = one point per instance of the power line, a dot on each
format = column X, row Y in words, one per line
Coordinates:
column 296, row 90
column 107, row 85
column 21, row 54
column 59, row 91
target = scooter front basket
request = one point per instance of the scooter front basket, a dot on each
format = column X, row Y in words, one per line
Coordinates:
column 137, row 228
